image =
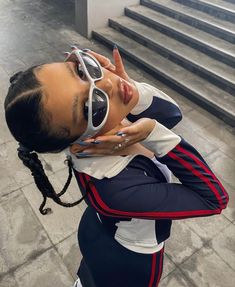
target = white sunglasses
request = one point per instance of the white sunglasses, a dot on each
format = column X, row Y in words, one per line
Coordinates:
column 97, row 106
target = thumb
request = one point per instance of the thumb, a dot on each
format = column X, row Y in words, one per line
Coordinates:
column 141, row 128
column 131, row 129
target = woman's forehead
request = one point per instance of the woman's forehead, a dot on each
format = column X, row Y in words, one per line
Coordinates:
column 60, row 88
column 53, row 70
column 58, row 79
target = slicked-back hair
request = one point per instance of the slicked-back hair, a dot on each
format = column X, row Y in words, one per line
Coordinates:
column 30, row 124
column 26, row 118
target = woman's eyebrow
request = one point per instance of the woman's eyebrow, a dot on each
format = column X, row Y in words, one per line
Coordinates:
column 74, row 109
column 75, row 98
column 71, row 71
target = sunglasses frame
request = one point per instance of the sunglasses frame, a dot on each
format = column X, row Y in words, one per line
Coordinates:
column 91, row 130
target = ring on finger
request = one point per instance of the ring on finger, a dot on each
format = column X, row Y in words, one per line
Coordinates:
column 126, row 140
column 118, row 146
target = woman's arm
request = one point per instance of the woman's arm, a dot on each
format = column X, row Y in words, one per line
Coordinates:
column 155, row 104
column 133, row 193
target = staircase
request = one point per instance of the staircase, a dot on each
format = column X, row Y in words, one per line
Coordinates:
column 187, row 44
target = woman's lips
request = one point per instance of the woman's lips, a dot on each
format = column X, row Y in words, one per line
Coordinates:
column 126, row 91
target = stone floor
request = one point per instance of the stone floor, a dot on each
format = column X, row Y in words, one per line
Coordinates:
column 38, row 250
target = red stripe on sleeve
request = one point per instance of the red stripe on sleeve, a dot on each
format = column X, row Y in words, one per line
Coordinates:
column 153, row 214
column 199, row 175
column 89, row 196
column 204, row 167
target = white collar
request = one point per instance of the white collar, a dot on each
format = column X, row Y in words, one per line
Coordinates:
column 100, row 167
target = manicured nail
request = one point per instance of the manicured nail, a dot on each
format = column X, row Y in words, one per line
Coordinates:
column 82, row 154
column 121, row 134
column 115, row 46
column 96, row 142
column 85, row 50
column 73, row 47
column 66, row 54
column 82, row 143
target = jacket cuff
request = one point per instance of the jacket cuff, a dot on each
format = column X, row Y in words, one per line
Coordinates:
column 161, row 140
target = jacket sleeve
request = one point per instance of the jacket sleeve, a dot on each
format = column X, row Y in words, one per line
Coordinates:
column 135, row 195
column 155, row 104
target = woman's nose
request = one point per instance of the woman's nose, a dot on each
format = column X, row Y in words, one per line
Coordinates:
column 105, row 84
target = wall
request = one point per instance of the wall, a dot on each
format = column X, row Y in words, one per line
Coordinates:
column 94, row 14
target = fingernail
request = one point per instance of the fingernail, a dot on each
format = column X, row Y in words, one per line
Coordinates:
column 121, row 134
column 66, row 54
column 85, row 50
column 96, row 142
column 73, row 47
column 82, row 143
column 115, row 46
column 83, row 154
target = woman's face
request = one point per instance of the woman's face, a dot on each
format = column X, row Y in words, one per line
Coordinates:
column 66, row 93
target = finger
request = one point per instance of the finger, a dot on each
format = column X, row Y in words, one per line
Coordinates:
column 110, row 67
column 99, row 57
column 118, row 61
column 81, row 148
column 130, row 131
column 104, row 61
column 94, row 152
column 121, row 142
column 100, row 140
column 120, row 69
column 111, row 139
column 107, row 148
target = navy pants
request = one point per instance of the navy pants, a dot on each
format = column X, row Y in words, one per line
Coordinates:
column 106, row 263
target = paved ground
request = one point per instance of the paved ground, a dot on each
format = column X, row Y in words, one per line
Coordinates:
column 38, row 250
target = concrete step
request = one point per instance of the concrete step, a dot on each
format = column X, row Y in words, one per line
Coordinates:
column 230, row 1
column 215, row 26
column 216, row 72
column 219, row 49
column 210, row 97
column 218, row 8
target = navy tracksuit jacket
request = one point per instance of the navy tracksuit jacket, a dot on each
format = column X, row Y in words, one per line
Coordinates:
column 132, row 194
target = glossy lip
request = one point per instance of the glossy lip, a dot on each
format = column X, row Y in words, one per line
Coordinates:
column 126, row 91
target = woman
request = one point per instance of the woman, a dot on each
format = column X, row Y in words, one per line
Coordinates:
column 80, row 106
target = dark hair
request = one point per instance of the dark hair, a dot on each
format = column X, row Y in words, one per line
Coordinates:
column 29, row 123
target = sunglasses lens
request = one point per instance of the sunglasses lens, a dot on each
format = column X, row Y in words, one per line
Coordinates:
column 92, row 67
column 99, row 107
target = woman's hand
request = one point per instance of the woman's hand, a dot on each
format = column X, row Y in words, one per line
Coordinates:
column 116, row 143
column 116, row 68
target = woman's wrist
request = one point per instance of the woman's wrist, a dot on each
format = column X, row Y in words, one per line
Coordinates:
column 151, row 125
column 161, row 140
